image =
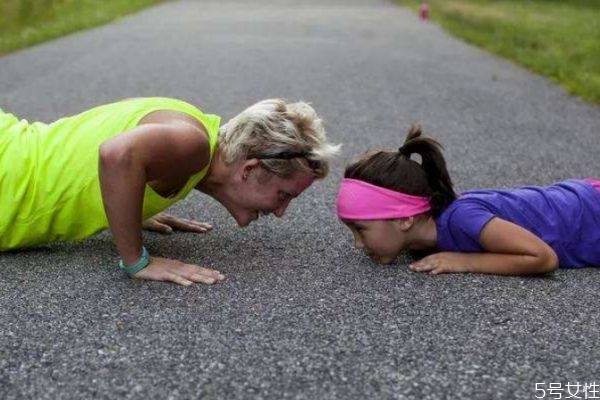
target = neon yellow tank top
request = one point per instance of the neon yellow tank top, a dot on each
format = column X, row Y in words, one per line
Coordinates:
column 49, row 184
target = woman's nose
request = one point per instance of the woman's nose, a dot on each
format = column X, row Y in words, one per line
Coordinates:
column 279, row 211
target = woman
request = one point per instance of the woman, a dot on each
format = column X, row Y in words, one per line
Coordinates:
column 119, row 164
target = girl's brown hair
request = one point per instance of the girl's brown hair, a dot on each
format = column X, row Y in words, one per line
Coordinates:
column 397, row 171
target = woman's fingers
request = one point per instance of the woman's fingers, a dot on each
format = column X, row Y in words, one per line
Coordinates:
column 163, row 269
column 183, row 224
column 156, row 226
column 191, row 226
column 209, row 272
column 199, row 278
column 199, row 274
column 178, row 279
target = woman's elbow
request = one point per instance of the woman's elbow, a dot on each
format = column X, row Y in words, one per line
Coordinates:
column 111, row 155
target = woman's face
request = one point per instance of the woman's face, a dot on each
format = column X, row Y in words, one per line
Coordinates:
column 261, row 192
column 381, row 240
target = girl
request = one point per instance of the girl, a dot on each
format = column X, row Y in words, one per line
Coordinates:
column 392, row 203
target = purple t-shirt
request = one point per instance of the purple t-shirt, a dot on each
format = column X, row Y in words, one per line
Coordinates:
column 565, row 215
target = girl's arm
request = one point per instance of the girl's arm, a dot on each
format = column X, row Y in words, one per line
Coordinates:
column 510, row 250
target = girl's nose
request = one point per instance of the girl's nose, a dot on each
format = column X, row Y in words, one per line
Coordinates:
column 358, row 243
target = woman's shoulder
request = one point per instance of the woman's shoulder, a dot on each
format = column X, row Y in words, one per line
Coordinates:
column 167, row 110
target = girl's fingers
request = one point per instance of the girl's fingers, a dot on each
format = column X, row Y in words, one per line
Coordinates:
column 421, row 267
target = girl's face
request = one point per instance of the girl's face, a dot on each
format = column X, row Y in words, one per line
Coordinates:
column 382, row 240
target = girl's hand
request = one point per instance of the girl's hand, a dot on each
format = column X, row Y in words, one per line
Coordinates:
column 509, row 250
column 165, row 223
column 440, row 263
column 164, row 269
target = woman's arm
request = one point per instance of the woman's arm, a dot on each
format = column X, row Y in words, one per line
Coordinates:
column 149, row 152
column 510, row 250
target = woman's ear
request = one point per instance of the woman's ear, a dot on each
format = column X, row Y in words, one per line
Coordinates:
column 247, row 166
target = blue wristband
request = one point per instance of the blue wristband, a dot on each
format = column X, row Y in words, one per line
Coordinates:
column 142, row 263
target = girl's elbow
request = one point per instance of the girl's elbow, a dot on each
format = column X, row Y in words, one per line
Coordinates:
column 543, row 262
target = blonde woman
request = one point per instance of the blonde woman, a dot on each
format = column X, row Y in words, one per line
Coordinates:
column 119, row 165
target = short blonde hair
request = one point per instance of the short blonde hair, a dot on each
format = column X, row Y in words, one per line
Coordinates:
column 280, row 134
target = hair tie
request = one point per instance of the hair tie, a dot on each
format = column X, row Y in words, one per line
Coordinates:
column 402, row 152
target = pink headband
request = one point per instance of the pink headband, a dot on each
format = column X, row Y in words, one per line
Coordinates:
column 359, row 200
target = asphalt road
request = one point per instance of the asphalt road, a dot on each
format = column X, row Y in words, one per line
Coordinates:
column 301, row 315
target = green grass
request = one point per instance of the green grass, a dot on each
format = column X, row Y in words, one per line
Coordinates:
column 27, row 22
column 556, row 38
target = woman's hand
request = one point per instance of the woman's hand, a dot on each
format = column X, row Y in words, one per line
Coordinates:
column 165, row 223
column 164, row 269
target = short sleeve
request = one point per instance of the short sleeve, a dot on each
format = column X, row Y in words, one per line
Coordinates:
column 462, row 226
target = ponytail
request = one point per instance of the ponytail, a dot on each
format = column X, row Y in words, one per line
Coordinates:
column 397, row 171
column 434, row 165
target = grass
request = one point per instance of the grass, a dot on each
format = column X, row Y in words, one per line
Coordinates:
column 556, row 38
column 27, row 22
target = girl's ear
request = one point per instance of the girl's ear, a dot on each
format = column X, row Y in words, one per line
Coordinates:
column 404, row 224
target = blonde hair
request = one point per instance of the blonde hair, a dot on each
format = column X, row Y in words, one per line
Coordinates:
column 280, row 134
